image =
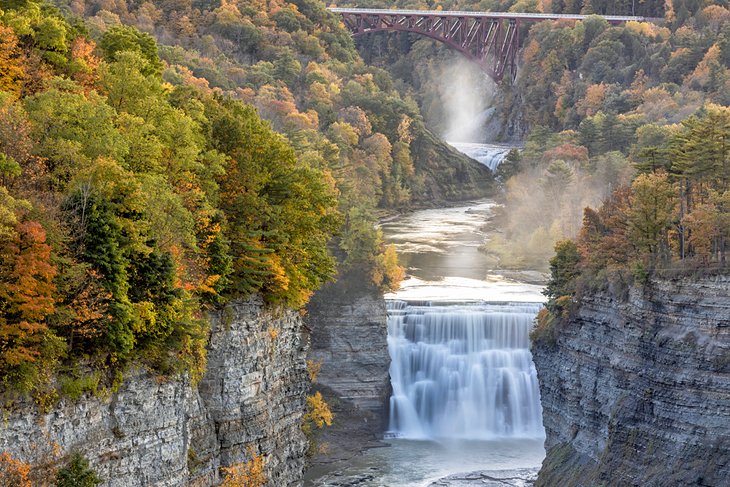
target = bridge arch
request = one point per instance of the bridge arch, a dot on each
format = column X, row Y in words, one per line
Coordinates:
column 490, row 39
column 490, row 43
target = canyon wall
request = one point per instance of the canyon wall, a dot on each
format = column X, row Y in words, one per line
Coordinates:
column 636, row 388
column 349, row 335
column 168, row 432
column 448, row 175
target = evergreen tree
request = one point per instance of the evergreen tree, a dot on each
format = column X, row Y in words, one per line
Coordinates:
column 77, row 473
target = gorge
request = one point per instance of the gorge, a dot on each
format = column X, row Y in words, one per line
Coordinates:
column 236, row 250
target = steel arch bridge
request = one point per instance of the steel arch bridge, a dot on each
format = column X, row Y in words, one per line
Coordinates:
column 489, row 39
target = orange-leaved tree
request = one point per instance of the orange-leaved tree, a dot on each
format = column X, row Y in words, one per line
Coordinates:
column 12, row 71
column 26, row 295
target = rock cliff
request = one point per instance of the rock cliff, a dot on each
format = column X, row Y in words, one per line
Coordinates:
column 349, row 337
column 448, row 175
column 158, row 432
column 636, row 388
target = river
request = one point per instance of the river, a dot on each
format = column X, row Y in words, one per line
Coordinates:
column 465, row 395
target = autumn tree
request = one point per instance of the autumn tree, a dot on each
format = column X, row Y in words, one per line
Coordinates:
column 279, row 214
column 84, row 63
column 387, row 274
column 26, row 298
column 246, row 474
column 317, row 416
column 16, row 145
column 12, row 71
column 603, row 240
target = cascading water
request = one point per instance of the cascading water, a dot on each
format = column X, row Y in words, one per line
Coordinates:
column 490, row 155
column 463, row 371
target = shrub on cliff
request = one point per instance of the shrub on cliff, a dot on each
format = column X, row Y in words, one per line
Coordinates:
column 77, row 473
column 13, row 471
column 317, row 415
column 246, row 474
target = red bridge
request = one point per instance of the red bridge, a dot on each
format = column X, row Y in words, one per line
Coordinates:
column 490, row 39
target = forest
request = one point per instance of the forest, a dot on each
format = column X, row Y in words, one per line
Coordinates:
column 129, row 206
column 626, row 133
column 595, row 104
column 622, row 101
column 635, row 132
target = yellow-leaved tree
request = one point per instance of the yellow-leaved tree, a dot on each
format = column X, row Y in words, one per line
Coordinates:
column 246, row 474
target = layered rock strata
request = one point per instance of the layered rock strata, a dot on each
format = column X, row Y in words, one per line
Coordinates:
column 636, row 388
column 164, row 432
column 348, row 325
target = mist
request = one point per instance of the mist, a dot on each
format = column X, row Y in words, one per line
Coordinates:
column 544, row 203
column 466, row 95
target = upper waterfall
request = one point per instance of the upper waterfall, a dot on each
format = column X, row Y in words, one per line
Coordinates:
column 491, row 155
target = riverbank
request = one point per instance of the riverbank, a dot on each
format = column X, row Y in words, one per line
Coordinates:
column 523, row 477
column 409, row 463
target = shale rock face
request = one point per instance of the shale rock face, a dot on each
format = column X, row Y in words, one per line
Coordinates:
column 349, row 337
column 155, row 432
column 636, row 389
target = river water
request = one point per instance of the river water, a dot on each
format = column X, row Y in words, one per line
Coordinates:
column 465, row 393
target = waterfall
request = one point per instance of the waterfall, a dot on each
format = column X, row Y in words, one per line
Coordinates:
column 463, row 371
column 488, row 154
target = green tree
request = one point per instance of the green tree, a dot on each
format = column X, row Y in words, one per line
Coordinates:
column 77, row 473
column 280, row 214
column 510, row 166
column 653, row 204
column 72, row 129
column 9, row 169
column 123, row 38
column 564, row 269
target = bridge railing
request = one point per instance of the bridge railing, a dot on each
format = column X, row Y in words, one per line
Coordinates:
column 503, row 15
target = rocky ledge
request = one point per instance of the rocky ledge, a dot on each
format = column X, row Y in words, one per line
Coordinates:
column 636, row 388
column 521, row 477
column 157, row 432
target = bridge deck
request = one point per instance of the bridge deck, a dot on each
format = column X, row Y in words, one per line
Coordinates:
column 505, row 15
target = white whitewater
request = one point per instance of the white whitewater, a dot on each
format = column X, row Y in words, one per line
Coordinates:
column 463, row 371
column 491, row 155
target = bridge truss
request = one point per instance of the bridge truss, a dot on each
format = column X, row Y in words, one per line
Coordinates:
column 489, row 39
